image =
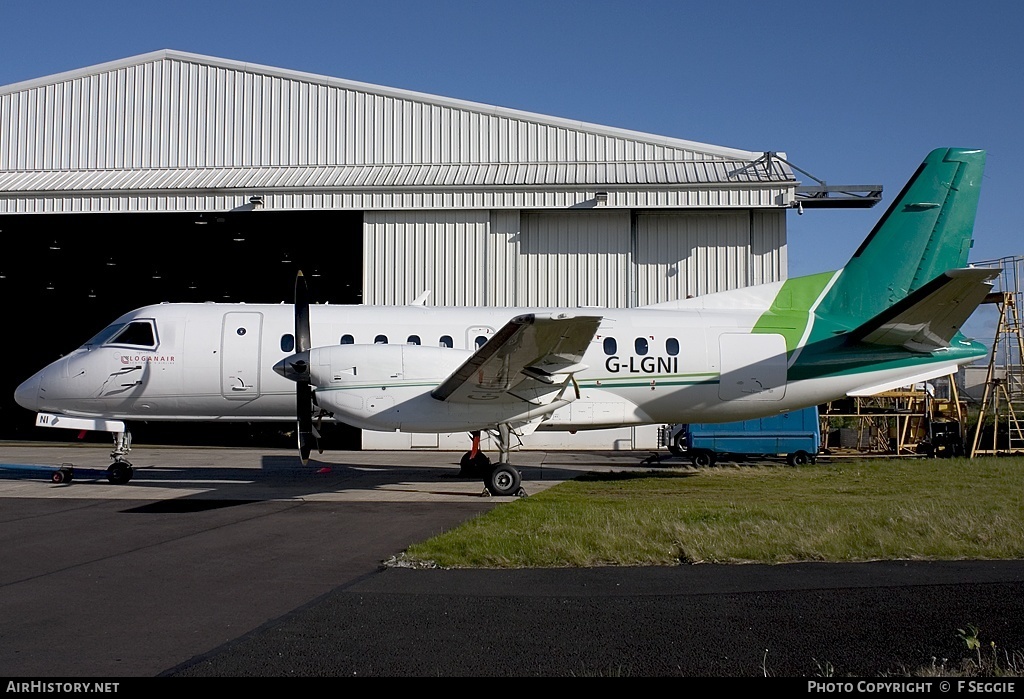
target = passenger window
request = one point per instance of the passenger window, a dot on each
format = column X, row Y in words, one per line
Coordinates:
column 480, row 341
column 413, row 340
column 138, row 333
column 641, row 345
column 445, row 341
column 380, row 340
column 610, row 346
column 672, row 346
column 287, row 343
column 347, row 340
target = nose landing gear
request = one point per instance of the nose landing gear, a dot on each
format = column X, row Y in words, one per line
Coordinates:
column 121, row 471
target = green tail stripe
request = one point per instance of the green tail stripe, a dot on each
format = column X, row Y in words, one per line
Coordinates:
column 790, row 312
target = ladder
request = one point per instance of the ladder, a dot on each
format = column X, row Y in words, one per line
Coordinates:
column 1002, row 386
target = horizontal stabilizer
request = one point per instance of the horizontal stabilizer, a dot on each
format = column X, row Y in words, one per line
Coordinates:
column 926, row 374
column 530, row 357
column 928, row 318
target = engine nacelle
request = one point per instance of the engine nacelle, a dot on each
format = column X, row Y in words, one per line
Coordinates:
column 348, row 366
column 388, row 387
column 382, row 387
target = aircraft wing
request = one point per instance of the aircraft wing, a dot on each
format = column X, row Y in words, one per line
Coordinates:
column 929, row 318
column 531, row 359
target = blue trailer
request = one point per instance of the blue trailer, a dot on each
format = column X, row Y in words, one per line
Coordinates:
column 795, row 435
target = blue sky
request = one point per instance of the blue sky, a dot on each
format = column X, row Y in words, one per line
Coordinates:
column 854, row 93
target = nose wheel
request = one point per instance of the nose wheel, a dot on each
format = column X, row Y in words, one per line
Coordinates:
column 120, row 472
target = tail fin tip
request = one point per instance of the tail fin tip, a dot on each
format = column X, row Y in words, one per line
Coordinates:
column 925, row 231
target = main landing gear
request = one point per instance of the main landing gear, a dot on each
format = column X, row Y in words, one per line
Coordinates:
column 500, row 479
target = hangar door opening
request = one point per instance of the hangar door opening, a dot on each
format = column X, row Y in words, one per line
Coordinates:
column 78, row 272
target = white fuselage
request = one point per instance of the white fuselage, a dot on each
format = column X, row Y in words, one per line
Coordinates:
column 215, row 362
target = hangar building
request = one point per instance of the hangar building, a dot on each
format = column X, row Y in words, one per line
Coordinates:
column 178, row 177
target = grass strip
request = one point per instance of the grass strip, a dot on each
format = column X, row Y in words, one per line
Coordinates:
column 878, row 509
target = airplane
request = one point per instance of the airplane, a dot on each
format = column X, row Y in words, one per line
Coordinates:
column 889, row 318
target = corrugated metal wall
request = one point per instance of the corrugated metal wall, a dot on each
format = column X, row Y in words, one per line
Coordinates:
column 170, row 131
column 408, row 252
column 693, row 253
column 174, row 113
column 503, row 258
column 768, row 261
column 690, row 255
column 570, row 258
column 574, row 258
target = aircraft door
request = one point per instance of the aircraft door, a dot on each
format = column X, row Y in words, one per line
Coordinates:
column 240, row 355
column 753, row 367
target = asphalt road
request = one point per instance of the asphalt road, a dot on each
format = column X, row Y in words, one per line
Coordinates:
column 232, row 563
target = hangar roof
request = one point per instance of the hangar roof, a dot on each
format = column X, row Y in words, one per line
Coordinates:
column 176, row 131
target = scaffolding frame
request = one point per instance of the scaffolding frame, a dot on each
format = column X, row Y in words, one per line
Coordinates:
column 1003, row 399
column 906, row 422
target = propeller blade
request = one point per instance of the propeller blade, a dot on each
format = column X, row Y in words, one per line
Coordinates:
column 316, row 428
column 301, row 314
column 303, row 390
column 304, row 410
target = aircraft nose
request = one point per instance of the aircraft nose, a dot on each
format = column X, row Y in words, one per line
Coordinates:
column 27, row 394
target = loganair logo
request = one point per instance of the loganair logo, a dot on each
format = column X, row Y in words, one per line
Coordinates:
column 151, row 358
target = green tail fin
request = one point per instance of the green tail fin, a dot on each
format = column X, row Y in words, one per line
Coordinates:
column 925, row 232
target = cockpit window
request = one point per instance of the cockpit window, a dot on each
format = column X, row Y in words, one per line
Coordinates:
column 105, row 334
column 138, row 333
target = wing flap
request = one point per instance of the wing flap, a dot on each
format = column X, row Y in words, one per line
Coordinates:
column 929, row 318
column 530, row 358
